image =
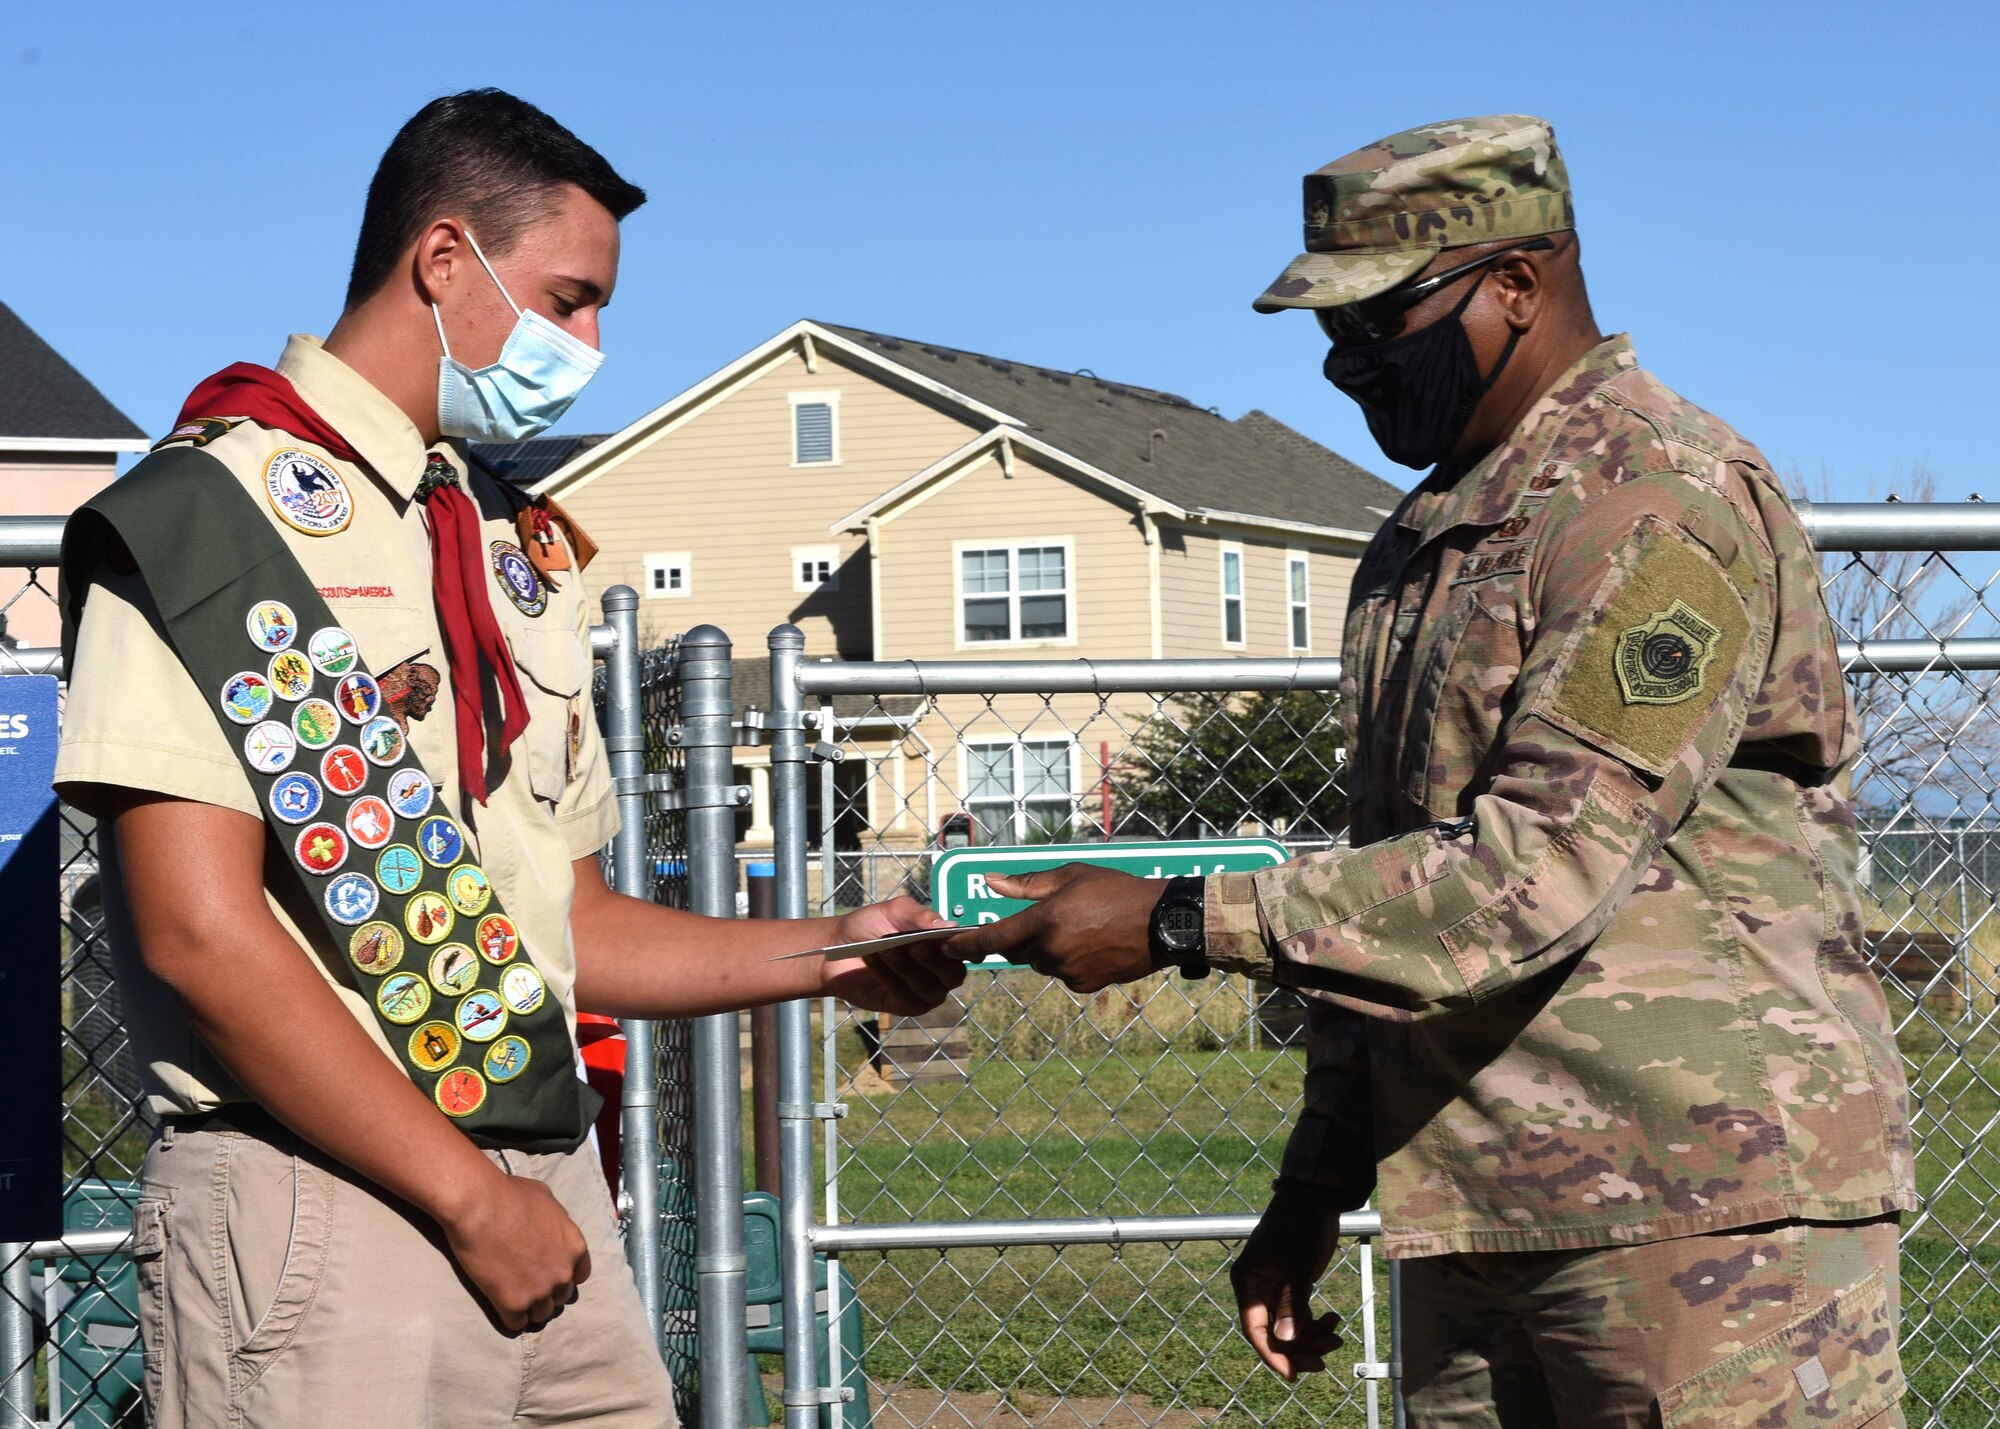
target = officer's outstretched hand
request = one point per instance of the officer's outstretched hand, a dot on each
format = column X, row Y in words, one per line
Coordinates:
column 1274, row 1278
column 1088, row 926
column 903, row 981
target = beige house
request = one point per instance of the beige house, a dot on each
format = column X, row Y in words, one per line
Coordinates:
column 60, row 439
column 901, row 500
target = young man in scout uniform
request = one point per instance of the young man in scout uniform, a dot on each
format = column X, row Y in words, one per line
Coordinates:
column 329, row 692
column 1590, row 981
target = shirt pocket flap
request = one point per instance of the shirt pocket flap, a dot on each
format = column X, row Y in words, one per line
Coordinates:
column 553, row 659
column 1832, row 1369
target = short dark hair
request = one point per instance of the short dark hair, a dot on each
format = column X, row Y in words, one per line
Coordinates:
column 483, row 155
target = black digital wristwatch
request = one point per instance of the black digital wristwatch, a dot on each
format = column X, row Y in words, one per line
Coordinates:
column 1177, row 932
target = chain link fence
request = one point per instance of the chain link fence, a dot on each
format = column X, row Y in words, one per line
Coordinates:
column 1024, row 1102
column 1158, row 1103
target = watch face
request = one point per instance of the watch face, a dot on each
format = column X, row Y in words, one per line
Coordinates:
column 1181, row 925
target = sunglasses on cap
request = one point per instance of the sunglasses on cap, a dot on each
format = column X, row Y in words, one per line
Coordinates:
column 1380, row 318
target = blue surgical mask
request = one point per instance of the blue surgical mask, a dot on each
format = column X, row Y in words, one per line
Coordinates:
column 540, row 371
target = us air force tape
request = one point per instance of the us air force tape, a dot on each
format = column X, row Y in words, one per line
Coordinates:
column 430, row 946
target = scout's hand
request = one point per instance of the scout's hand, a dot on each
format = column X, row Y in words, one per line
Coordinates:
column 518, row 1245
column 1088, row 926
column 1274, row 1278
column 903, row 981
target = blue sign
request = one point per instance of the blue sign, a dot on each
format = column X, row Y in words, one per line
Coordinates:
column 30, row 963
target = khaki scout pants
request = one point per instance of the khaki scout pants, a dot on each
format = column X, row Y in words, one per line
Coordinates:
column 276, row 1291
column 1778, row 1327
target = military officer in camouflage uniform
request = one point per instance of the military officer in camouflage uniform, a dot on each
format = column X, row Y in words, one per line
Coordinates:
column 1590, row 981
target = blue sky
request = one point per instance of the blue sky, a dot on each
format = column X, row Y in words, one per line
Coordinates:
column 1768, row 192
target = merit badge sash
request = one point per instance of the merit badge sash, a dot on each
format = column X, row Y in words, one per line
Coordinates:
column 423, row 930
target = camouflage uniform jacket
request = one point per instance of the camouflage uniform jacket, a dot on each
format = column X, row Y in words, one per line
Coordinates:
column 1593, row 972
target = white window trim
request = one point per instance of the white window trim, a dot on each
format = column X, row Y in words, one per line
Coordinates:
column 1018, row 779
column 1013, row 546
column 1296, row 557
column 1225, row 550
column 828, row 554
column 832, row 400
column 656, row 560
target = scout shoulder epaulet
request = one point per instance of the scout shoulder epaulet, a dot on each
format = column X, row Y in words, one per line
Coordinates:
column 198, row 431
column 426, row 940
column 544, row 527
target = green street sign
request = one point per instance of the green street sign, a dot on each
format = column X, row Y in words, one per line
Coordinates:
column 960, row 890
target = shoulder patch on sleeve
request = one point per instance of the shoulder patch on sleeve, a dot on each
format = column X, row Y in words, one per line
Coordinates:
column 199, row 432
column 1668, row 634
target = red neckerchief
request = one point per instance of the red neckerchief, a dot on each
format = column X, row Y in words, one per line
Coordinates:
column 465, row 611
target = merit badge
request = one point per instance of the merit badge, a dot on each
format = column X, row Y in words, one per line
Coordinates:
column 403, row 998
column 497, row 939
column 246, row 697
column 269, row 747
column 271, row 625
column 291, row 675
column 460, row 1092
column 358, row 697
column 316, row 724
column 522, row 988
column 369, row 822
column 469, row 889
column 307, row 494
column 507, row 1059
column 1662, row 662
column 440, row 841
column 454, row 969
column 518, row 579
column 352, row 899
column 343, row 769
column 296, row 797
column 376, row 947
column 321, row 848
column 433, row 1045
column 381, row 740
column 399, row 868
column 428, row 917
column 332, row 651
column 480, row 1016
column 410, row 793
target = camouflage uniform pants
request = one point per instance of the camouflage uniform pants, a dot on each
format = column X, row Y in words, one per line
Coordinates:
column 1776, row 1327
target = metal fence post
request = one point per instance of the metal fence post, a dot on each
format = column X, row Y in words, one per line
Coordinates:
column 639, row 1126
column 795, row 1127
column 710, row 801
column 17, row 1340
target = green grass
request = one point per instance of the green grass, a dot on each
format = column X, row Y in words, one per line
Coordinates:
column 1144, row 1125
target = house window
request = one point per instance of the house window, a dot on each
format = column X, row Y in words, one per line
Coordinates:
column 1014, row 593
column 815, row 569
column 815, row 440
column 1298, row 595
column 667, row 575
column 1019, row 791
column 1232, row 595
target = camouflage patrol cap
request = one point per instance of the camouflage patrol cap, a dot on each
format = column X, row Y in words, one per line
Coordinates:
column 1379, row 214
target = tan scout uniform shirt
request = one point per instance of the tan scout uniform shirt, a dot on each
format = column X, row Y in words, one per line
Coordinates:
column 1593, row 972
column 134, row 718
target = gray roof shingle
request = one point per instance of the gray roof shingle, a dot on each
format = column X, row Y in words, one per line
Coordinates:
column 41, row 395
column 1255, row 465
column 527, row 462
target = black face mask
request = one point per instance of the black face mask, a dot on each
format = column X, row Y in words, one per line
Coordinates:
column 1417, row 390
